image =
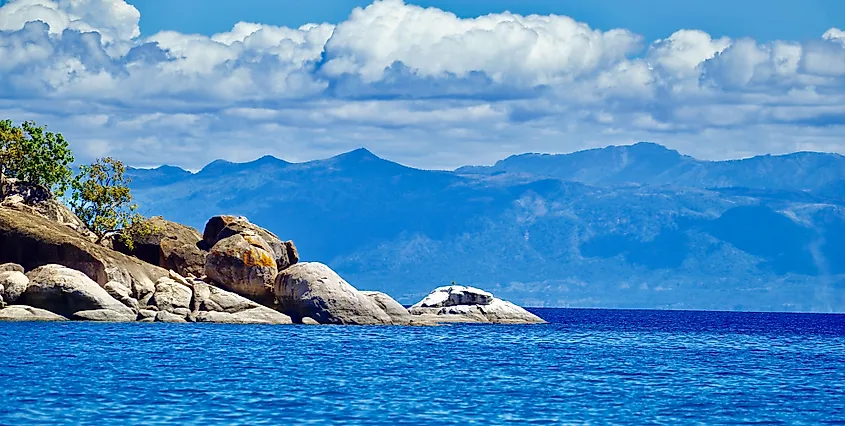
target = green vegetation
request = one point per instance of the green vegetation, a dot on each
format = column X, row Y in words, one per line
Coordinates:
column 101, row 199
column 31, row 154
column 100, row 194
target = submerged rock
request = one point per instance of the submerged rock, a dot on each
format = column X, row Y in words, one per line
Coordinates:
column 66, row 291
column 452, row 304
column 244, row 264
column 28, row 313
column 313, row 290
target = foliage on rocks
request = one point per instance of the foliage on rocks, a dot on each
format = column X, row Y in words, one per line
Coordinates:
column 101, row 198
column 31, row 154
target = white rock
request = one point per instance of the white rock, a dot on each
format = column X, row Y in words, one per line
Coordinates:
column 66, row 291
column 313, row 290
column 451, row 304
column 455, row 295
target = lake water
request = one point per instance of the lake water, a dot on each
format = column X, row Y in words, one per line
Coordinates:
column 587, row 366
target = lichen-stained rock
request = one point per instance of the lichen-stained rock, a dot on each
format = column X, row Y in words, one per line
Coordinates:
column 244, row 264
column 10, row 267
column 469, row 304
column 65, row 291
column 28, row 313
column 391, row 307
column 171, row 295
column 14, row 283
column 221, row 227
column 214, row 226
column 103, row 315
column 313, row 290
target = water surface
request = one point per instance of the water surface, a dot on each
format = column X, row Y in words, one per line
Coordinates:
column 587, row 366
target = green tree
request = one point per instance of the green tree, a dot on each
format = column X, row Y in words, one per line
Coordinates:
column 31, row 154
column 102, row 200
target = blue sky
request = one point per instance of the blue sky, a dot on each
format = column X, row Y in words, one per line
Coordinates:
column 764, row 20
column 431, row 83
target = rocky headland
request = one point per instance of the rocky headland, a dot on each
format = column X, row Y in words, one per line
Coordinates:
column 53, row 269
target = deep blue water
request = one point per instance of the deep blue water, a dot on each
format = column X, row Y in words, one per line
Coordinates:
column 588, row 366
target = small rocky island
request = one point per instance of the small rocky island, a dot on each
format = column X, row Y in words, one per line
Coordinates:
column 52, row 268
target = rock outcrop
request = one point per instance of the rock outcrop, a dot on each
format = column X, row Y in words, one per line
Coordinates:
column 243, row 263
column 397, row 313
column 65, row 291
column 31, row 240
column 28, row 313
column 219, row 228
column 213, row 304
column 468, row 304
column 167, row 244
column 72, row 275
column 37, row 200
column 314, row 291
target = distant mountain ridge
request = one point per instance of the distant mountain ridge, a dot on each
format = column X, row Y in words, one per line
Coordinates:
column 640, row 226
column 653, row 164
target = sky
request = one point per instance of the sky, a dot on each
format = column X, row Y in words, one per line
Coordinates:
column 430, row 84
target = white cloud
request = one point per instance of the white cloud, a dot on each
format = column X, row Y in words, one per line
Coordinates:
column 417, row 85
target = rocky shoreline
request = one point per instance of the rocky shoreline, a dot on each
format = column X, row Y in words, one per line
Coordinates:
column 52, row 269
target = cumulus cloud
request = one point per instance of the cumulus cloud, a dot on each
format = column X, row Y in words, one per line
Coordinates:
column 417, row 85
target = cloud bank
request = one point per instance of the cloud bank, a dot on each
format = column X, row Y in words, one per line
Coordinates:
column 419, row 86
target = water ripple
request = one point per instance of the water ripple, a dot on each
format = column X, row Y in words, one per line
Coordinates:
column 588, row 366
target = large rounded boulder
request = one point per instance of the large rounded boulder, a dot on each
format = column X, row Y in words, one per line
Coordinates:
column 221, row 227
column 12, row 285
column 65, row 291
column 167, row 244
column 244, row 264
column 312, row 290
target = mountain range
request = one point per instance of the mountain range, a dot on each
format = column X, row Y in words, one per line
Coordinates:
column 638, row 226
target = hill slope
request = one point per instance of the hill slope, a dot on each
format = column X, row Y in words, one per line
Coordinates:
column 585, row 237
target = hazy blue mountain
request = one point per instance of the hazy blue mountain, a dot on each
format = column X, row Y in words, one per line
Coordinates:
column 613, row 231
column 649, row 163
